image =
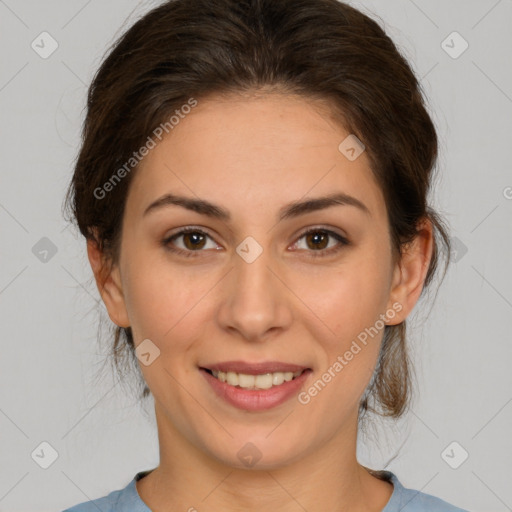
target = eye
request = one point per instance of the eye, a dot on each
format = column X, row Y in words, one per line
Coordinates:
column 318, row 239
column 194, row 240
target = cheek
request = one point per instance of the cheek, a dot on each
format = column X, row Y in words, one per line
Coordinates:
column 357, row 295
column 351, row 309
column 351, row 306
column 164, row 303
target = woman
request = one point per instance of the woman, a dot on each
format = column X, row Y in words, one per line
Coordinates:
column 252, row 185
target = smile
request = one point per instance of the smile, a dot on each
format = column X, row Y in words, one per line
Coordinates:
column 256, row 387
column 260, row 381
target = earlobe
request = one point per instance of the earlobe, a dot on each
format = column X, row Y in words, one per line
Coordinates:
column 410, row 272
column 108, row 281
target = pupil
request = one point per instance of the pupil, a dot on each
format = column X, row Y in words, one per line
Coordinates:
column 316, row 237
column 195, row 236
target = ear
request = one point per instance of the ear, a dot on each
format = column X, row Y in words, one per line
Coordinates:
column 109, row 285
column 410, row 272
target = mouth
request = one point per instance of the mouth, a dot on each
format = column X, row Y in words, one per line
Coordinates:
column 255, row 387
column 255, row 381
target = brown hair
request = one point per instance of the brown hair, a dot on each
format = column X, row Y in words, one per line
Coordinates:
column 318, row 49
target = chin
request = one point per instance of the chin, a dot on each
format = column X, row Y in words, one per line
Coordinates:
column 253, row 452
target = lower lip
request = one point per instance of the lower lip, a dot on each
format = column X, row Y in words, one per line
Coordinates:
column 256, row 399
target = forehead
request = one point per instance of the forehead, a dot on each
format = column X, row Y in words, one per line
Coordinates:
column 250, row 152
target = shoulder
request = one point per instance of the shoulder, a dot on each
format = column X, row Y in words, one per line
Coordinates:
column 411, row 500
column 121, row 500
column 105, row 504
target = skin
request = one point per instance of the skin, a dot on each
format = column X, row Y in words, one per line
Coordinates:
column 252, row 155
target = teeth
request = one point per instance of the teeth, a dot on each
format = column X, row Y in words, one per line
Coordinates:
column 263, row 381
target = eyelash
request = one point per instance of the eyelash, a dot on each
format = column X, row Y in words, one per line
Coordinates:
column 314, row 254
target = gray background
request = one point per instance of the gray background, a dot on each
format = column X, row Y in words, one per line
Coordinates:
column 50, row 359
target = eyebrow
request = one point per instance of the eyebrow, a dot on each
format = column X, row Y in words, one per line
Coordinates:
column 291, row 210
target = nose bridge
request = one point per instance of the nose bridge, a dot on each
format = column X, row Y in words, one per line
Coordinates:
column 251, row 273
column 255, row 303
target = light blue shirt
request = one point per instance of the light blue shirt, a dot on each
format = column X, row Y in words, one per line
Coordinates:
column 402, row 500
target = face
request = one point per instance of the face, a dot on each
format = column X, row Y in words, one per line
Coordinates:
column 247, row 289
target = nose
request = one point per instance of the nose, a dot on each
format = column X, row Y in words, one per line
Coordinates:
column 256, row 301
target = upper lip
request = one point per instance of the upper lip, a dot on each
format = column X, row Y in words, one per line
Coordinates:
column 254, row 368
